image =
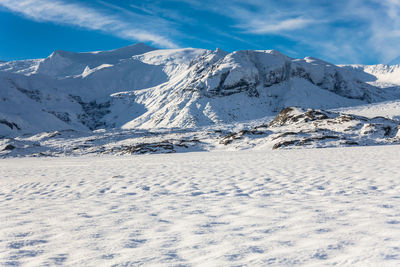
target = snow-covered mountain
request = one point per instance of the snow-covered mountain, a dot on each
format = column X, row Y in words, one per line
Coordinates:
column 139, row 87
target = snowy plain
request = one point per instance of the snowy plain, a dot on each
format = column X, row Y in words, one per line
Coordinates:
column 313, row 207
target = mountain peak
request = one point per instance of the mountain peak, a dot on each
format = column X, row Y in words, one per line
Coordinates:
column 64, row 63
column 133, row 88
column 134, row 49
column 130, row 50
column 61, row 53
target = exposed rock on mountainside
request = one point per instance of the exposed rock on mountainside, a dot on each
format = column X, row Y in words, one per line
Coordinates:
column 288, row 116
column 291, row 128
column 140, row 88
column 316, row 128
column 252, row 71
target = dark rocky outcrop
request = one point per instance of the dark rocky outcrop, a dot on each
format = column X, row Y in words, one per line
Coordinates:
column 11, row 125
column 296, row 127
column 93, row 112
column 9, row 147
column 293, row 115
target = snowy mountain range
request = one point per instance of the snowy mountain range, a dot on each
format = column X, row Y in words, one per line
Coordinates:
column 140, row 87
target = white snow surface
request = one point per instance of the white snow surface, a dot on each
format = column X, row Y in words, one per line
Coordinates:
column 314, row 207
column 390, row 109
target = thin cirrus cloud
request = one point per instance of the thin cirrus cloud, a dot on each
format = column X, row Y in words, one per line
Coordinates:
column 258, row 17
column 343, row 31
column 340, row 31
column 75, row 14
column 385, row 29
column 276, row 27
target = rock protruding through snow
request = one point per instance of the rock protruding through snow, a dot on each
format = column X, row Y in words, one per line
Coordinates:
column 292, row 128
column 182, row 88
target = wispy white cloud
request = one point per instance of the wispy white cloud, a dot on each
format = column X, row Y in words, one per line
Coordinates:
column 257, row 16
column 342, row 30
column 385, row 29
column 76, row 14
column 264, row 27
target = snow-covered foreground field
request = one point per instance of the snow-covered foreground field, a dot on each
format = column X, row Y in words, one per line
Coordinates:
column 307, row 207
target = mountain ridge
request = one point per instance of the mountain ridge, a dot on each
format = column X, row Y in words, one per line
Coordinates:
column 142, row 87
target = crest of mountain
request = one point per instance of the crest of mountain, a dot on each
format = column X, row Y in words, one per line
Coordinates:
column 383, row 76
column 141, row 87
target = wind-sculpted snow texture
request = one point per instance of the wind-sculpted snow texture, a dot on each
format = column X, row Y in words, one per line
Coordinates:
column 270, row 208
column 141, row 87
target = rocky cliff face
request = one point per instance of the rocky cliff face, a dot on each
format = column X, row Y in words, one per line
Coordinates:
column 253, row 71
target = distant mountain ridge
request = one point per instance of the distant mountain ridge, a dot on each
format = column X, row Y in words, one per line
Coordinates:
column 142, row 87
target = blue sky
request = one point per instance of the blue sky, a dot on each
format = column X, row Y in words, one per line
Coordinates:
column 338, row 31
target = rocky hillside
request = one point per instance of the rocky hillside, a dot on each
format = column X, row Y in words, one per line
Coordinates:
column 291, row 128
column 139, row 87
column 295, row 127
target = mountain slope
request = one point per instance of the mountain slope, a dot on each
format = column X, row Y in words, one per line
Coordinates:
column 141, row 87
